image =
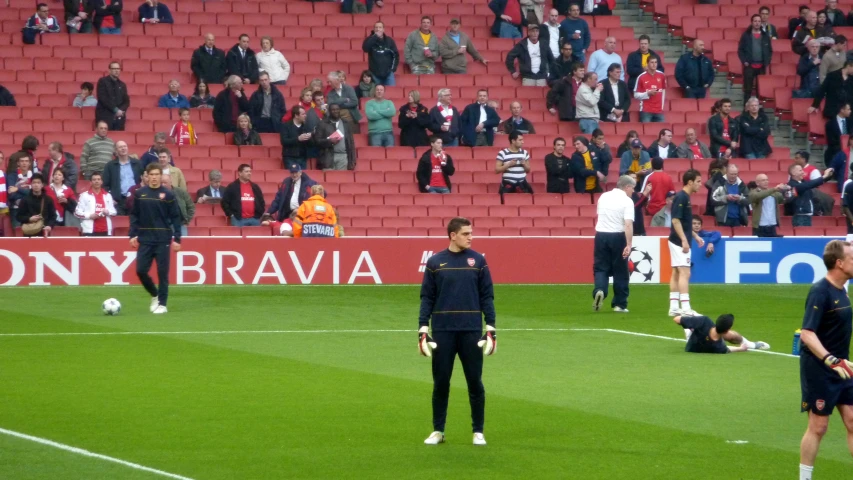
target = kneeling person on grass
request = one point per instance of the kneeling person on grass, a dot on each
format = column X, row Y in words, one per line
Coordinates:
column 704, row 336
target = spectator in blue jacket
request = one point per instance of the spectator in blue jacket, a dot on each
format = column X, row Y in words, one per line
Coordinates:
column 695, row 72
column 478, row 121
column 294, row 190
column 174, row 99
column 808, row 69
column 508, row 18
column 575, row 30
column 41, row 22
column 711, row 238
column 152, row 11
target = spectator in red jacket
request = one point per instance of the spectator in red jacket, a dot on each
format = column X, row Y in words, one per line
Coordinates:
column 661, row 183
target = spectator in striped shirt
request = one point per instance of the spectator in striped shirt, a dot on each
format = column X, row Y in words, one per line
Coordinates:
column 97, row 151
column 513, row 163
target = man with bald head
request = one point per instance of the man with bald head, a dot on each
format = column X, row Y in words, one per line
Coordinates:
column 601, row 60
column 808, row 31
column 765, row 203
column 549, row 33
column 208, row 62
column 120, row 175
column 224, row 112
column 516, row 123
column 695, row 72
column 730, row 198
column 692, row 148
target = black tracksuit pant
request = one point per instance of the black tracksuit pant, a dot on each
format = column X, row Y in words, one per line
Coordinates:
column 465, row 345
column 608, row 262
column 146, row 254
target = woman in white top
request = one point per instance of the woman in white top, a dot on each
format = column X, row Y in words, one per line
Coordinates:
column 273, row 62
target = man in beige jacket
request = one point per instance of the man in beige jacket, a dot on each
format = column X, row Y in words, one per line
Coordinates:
column 453, row 48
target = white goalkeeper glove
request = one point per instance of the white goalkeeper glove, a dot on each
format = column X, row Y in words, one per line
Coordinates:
column 844, row 368
column 489, row 341
column 425, row 343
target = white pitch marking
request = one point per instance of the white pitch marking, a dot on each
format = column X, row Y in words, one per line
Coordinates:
column 739, row 442
column 86, row 453
column 261, row 332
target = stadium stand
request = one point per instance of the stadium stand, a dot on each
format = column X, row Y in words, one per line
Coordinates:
column 381, row 196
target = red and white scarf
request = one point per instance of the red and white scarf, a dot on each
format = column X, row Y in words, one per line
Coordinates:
column 27, row 179
column 4, row 198
column 446, row 112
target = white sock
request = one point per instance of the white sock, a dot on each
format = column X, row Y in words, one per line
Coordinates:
column 687, row 333
column 751, row 345
column 673, row 300
column 805, row 472
column 685, row 302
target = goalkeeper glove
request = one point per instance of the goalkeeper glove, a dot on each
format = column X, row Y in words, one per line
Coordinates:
column 489, row 341
column 844, row 368
column 425, row 343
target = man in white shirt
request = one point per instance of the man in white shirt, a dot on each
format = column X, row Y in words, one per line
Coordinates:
column 601, row 60
column 550, row 32
column 614, row 233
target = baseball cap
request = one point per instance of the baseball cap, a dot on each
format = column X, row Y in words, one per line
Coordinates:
column 670, row 194
column 533, row 27
column 295, row 168
column 636, row 143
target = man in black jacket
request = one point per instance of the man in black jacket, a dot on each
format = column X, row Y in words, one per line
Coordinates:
column 6, row 98
column 838, row 90
column 663, row 146
column 382, row 55
column 108, row 17
column 82, row 9
column 835, row 128
column 754, row 51
column 208, row 62
column 563, row 64
column 561, row 98
column 601, row 152
column 694, row 71
column 243, row 201
column 224, row 115
column 795, row 22
column 113, row 100
column 241, row 61
column 531, row 76
column 37, row 206
column 295, row 139
column 558, row 169
column 754, row 130
column 614, row 105
column 723, row 130
column 266, row 106
column 444, row 119
column 636, row 63
column 294, row 190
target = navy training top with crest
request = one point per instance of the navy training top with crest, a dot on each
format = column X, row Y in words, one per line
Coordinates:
column 829, row 316
column 682, row 211
column 700, row 341
column 457, row 292
column 155, row 217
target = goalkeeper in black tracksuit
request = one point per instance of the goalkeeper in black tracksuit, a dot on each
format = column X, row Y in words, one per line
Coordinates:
column 456, row 294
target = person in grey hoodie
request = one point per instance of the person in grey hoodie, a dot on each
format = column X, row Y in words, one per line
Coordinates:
column 421, row 49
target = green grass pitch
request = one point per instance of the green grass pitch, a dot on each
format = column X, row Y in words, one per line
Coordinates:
column 311, row 403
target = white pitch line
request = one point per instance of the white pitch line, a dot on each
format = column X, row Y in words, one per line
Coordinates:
column 86, row 453
column 262, row 332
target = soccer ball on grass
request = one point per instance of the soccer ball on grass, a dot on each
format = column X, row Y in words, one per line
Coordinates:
column 111, row 306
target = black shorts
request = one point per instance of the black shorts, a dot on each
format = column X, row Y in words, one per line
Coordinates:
column 822, row 389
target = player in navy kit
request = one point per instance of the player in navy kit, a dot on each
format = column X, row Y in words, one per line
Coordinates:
column 679, row 244
column 705, row 336
column 826, row 374
column 457, row 294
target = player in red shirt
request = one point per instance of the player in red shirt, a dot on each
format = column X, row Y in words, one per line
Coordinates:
column 651, row 91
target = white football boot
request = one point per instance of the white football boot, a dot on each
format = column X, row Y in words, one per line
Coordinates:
column 155, row 302
column 479, row 439
column 161, row 309
column 434, row 438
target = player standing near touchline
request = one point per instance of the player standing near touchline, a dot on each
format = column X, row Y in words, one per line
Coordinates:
column 825, row 371
column 154, row 221
column 679, row 245
column 456, row 294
